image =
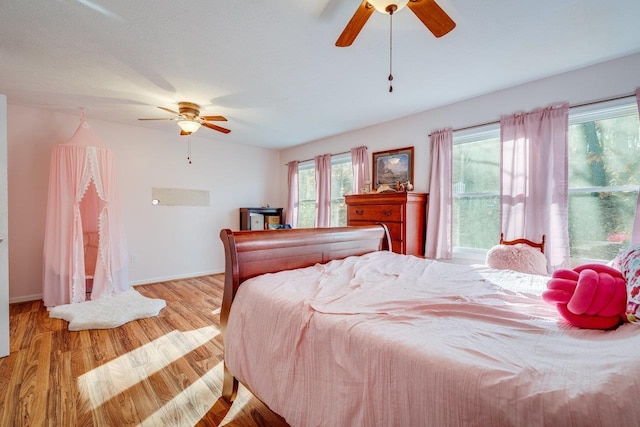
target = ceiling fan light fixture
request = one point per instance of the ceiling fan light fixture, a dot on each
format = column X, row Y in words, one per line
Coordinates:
column 189, row 126
column 382, row 5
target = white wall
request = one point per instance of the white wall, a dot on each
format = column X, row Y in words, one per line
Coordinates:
column 167, row 241
column 613, row 78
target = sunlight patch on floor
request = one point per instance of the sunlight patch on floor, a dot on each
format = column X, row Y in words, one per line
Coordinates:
column 105, row 382
column 199, row 396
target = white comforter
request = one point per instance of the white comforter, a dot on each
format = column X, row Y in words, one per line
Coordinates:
column 391, row 340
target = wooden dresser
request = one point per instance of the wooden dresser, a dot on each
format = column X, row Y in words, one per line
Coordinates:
column 404, row 214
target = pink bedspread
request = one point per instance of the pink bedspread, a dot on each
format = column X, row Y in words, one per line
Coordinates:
column 391, row 340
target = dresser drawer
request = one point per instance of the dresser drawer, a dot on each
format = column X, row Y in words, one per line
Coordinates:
column 381, row 213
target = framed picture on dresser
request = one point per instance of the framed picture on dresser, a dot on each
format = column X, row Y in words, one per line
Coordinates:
column 392, row 167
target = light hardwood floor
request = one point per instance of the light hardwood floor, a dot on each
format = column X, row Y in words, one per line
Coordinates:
column 160, row 371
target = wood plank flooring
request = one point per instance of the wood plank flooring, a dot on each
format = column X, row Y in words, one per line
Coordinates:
column 161, row 371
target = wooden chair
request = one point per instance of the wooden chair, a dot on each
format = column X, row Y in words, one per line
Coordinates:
column 525, row 241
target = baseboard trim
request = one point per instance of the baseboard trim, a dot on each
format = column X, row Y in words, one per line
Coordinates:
column 27, row 298
column 176, row 277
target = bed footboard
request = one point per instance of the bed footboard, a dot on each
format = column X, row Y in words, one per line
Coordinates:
column 252, row 253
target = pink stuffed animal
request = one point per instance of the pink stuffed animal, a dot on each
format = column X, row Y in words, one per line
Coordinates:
column 591, row 296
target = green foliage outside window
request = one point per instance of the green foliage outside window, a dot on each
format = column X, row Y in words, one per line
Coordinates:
column 603, row 183
column 604, row 155
column 306, row 195
column 476, row 185
column 341, row 184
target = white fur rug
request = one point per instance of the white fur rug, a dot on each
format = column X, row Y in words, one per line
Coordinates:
column 107, row 313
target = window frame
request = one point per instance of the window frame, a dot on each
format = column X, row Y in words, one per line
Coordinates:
column 336, row 159
column 304, row 166
column 591, row 112
column 595, row 112
column 467, row 136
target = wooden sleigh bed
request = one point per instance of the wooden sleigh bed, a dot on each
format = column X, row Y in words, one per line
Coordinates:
column 326, row 327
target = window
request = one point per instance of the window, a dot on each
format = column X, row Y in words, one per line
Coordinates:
column 604, row 151
column 476, row 190
column 604, row 154
column 341, row 184
column 306, row 194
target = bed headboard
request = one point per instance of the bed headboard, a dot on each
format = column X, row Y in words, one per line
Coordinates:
column 252, row 253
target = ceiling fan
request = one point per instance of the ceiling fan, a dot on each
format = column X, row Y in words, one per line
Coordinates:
column 428, row 11
column 190, row 120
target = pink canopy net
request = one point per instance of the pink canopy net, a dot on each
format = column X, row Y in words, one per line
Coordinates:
column 85, row 253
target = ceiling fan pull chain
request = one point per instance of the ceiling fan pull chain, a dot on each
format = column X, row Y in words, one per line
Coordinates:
column 390, row 50
column 189, row 150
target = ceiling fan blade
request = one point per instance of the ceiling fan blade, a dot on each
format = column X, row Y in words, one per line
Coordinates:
column 161, row 119
column 168, row 110
column 432, row 16
column 214, row 118
column 214, row 127
column 356, row 23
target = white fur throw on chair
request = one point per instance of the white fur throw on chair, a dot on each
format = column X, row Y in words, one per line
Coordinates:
column 519, row 257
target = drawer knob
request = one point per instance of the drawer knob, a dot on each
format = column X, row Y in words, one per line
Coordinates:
column 387, row 212
column 359, row 211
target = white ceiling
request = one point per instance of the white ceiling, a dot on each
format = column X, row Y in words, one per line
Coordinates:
column 271, row 67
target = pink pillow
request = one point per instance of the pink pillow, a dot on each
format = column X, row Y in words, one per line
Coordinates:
column 519, row 257
column 591, row 296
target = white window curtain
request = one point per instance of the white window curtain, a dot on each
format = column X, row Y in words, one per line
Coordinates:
column 293, row 202
column 360, row 165
column 635, row 237
column 534, row 180
column 323, row 190
column 439, row 216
